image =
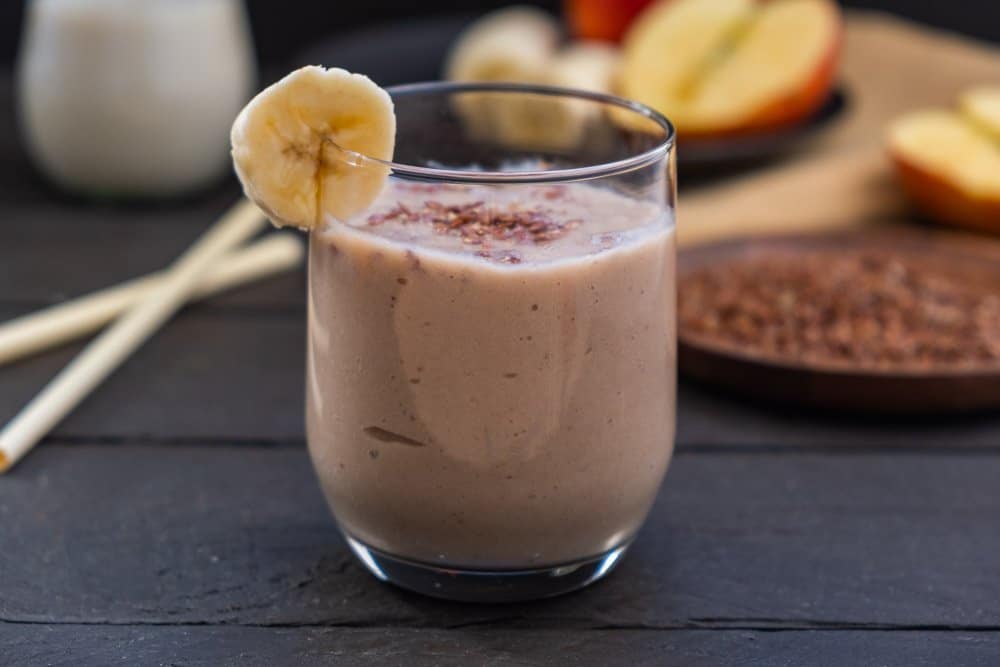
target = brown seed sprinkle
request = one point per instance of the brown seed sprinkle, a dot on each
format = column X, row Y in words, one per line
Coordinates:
column 501, row 256
column 868, row 309
column 477, row 223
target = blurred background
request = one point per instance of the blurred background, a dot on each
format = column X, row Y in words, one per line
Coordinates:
column 794, row 118
column 281, row 29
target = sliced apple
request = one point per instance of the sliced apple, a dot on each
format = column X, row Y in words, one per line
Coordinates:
column 981, row 106
column 718, row 67
column 671, row 45
column 949, row 167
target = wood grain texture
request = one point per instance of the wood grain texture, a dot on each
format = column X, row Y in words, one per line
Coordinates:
column 228, row 374
column 178, row 506
column 56, row 251
column 709, row 419
column 106, row 534
column 201, row 377
column 54, row 245
column 72, row 646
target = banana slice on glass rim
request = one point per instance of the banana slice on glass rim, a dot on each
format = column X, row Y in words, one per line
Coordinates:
column 292, row 146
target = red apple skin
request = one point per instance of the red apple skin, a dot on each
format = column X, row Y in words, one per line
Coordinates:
column 942, row 201
column 605, row 20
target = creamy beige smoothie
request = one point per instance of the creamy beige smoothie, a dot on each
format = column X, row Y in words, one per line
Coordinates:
column 491, row 371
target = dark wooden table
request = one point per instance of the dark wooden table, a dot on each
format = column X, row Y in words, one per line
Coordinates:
column 174, row 518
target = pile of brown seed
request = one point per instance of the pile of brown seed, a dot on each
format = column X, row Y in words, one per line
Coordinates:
column 867, row 309
column 478, row 223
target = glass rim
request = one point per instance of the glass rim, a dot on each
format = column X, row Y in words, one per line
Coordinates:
column 599, row 170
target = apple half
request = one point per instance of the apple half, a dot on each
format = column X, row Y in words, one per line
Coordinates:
column 722, row 67
column 948, row 162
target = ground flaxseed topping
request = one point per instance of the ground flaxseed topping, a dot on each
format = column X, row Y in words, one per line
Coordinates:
column 477, row 224
column 864, row 309
column 518, row 225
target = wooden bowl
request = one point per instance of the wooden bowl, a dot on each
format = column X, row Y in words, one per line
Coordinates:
column 904, row 389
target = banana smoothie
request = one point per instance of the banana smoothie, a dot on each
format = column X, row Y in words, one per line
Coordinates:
column 491, row 371
column 492, row 346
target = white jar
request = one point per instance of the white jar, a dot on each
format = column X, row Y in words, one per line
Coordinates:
column 133, row 97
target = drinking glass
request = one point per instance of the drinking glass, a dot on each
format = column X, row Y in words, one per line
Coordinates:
column 491, row 364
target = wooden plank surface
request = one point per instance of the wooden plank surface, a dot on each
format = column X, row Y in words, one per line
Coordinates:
column 174, row 518
column 235, row 373
column 54, row 246
column 709, row 419
column 74, row 645
column 56, row 250
column 200, row 378
column 241, row 535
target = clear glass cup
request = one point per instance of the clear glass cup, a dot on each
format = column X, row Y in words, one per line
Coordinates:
column 491, row 365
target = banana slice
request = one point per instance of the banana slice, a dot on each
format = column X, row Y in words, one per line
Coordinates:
column 519, row 45
column 505, row 45
column 556, row 123
column 510, row 45
column 290, row 143
column 587, row 65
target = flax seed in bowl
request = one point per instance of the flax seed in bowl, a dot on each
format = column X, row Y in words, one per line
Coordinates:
column 875, row 321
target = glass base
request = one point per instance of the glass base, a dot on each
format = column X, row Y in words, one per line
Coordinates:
column 485, row 585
